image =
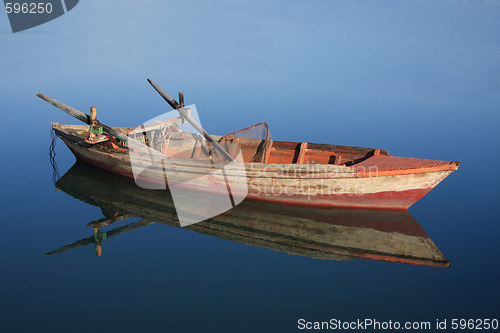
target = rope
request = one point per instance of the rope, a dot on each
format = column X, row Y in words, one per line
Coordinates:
column 52, row 157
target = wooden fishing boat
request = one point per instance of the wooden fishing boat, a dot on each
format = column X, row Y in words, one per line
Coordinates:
column 315, row 232
column 298, row 173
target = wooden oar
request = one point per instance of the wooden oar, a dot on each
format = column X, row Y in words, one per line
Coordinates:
column 83, row 117
column 184, row 113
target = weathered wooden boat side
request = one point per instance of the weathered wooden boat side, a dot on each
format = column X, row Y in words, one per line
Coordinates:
column 332, row 234
column 290, row 172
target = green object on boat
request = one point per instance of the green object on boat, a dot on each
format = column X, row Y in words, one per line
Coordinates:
column 96, row 130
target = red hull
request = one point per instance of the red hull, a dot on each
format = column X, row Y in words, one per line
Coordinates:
column 394, row 200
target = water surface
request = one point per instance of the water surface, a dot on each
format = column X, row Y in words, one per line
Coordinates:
column 416, row 79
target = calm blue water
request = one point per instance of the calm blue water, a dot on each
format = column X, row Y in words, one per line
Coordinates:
column 417, row 79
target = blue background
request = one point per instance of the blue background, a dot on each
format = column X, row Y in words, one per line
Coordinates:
column 419, row 79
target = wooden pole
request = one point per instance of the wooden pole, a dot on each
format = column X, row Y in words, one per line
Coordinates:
column 181, row 99
column 93, row 114
column 66, row 108
column 93, row 118
column 184, row 113
column 83, row 117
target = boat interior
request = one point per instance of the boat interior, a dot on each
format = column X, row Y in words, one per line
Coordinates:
column 255, row 143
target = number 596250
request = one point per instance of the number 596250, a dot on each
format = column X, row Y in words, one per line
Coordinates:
column 28, row 8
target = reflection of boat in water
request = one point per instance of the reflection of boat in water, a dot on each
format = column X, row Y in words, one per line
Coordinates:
column 333, row 234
